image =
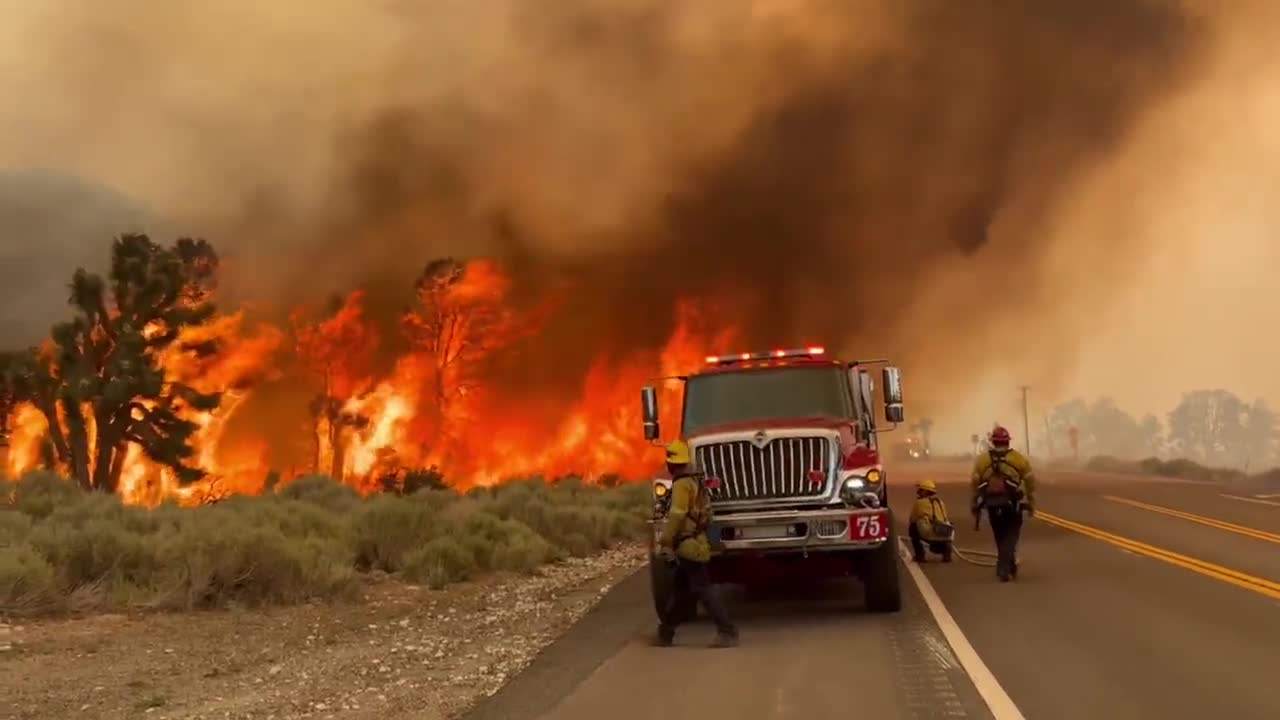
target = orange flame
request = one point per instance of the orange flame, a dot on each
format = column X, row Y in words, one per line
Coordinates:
column 433, row 408
column 242, row 361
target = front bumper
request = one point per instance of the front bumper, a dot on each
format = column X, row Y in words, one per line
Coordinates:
column 803, row 530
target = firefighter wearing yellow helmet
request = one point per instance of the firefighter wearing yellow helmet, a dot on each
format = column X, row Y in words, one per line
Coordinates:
column 685, row 545
column 930, row 526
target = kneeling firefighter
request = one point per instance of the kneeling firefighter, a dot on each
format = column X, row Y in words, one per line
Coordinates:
column 930, row 527
column 684, row 544
column 1004, row 484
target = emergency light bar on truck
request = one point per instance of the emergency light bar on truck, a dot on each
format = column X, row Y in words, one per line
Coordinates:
column 808, row 352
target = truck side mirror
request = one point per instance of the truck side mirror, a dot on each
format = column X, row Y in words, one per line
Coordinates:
column 892, row 382
column 649, row 412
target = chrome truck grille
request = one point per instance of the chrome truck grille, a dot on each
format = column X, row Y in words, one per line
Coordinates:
column 781, row 469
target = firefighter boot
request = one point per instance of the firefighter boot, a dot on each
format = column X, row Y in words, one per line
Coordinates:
column 664, row 637
column 725, row 640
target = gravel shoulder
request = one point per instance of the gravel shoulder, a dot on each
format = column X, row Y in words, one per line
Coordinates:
column 402, row 651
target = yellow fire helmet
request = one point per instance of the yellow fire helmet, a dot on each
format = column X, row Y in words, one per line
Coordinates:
column 678, row 453
column 928, row 485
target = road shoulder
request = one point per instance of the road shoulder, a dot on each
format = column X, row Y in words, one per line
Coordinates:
column 402, row 651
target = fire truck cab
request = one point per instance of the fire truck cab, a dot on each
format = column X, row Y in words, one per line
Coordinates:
column 788, row 442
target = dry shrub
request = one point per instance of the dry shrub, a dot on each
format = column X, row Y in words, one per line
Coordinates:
column 439, row 562
column 387, row 527
column 63, row 549
column 1177, row 468
column 28, row 581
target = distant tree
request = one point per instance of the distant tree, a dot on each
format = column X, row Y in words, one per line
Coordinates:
column 1258, row 436
column 100, row 384
column 1064, row 417
column 1114, row 432
column 1102, row 427
column 1208, row 426
column 1152, row 435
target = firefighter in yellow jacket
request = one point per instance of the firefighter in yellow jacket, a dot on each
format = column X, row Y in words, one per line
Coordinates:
column 1004, row 484
column 930, row 527
column 685, row 545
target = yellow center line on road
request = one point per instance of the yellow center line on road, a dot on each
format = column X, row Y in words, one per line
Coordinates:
column 1258, row 585
column 1211, row 522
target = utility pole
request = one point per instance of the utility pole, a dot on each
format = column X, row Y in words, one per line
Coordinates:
column 1026, row 423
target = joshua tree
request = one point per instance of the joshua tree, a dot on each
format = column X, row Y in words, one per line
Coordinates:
column 100, row 382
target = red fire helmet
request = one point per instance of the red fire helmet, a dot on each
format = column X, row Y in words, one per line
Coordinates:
column 1000, row 437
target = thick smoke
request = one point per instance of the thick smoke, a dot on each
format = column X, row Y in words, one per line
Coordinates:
column 895, row 178
column 50, row 225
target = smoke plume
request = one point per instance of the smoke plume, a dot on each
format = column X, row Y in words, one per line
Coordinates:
column 954, row 185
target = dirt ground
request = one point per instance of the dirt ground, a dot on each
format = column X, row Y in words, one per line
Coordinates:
column 403, row 652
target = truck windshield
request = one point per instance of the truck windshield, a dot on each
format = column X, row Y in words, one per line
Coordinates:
column 775, row 394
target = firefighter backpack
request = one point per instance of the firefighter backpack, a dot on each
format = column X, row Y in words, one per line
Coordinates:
column 1002, row 485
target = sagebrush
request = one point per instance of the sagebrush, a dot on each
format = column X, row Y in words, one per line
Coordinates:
column 64, row 549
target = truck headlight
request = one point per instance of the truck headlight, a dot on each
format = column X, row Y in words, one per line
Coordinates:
column 853, row 488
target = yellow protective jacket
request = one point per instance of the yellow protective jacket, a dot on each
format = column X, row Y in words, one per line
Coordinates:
column 687, row 520
column 924, row 512
column 990, row 467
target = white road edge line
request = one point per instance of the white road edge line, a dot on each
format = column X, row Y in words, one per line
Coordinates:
column 997, row 700
column 1241, row 498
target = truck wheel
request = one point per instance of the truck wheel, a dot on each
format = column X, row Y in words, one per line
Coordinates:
column 880, row 577
column 662, row 586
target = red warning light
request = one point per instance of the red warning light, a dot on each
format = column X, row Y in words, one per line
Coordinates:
column 809, row 352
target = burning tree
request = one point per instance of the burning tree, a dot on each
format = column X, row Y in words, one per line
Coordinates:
column 339, row 350
column 459, row 320
column 99, row 382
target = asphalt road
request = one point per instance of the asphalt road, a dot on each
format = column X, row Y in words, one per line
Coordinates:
column 1165, row 609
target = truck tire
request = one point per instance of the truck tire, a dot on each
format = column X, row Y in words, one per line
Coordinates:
column 662, row 585
column 880, row 576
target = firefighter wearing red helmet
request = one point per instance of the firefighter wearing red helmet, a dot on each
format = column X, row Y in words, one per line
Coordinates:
column 1004, row 484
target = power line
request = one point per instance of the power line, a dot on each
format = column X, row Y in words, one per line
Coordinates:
column 1026, row 423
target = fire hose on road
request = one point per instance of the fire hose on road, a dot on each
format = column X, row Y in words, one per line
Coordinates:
column 981, row 558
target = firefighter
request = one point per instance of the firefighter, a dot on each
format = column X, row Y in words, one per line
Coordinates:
column 930, row 527
column 1004, row 484
column 685, row 545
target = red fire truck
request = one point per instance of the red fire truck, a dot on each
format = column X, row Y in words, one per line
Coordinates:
column 790, row 439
